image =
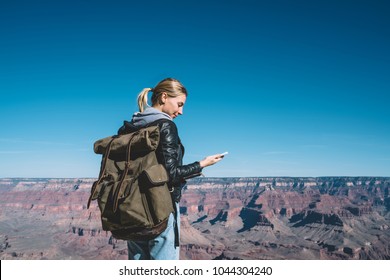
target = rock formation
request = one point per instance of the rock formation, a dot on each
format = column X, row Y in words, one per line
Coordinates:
column 221, row 218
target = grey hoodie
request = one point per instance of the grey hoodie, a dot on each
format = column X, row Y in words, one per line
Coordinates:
column 149, row 115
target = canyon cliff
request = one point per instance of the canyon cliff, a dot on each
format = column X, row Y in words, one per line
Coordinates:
column 221, row 218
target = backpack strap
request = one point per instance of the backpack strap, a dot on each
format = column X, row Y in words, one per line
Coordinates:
column 102, row 170
column 118, row 189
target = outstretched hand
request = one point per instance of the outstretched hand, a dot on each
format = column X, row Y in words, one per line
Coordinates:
column 210, row 160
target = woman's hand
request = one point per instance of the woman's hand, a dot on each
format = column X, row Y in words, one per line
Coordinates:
column 210, row 160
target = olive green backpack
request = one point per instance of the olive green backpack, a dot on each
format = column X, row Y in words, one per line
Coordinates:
column 132, row 191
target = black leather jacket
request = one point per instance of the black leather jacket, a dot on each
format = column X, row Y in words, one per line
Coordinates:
column 170, row 153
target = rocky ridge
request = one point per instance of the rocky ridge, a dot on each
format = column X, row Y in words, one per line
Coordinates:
column 221, row 218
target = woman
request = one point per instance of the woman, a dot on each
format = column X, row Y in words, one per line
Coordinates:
column 168, row 99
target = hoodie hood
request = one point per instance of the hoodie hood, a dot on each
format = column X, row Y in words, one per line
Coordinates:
column 149, row 115
column 142, row 119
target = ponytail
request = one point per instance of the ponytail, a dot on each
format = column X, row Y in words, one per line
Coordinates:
column 170, row 86
column 143, row 99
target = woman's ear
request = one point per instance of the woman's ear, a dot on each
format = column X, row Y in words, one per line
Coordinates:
column 163, row 98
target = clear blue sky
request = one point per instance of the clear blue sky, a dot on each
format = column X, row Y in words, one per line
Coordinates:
column 288, row 88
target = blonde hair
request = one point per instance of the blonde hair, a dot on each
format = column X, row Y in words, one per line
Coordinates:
column 172, row 87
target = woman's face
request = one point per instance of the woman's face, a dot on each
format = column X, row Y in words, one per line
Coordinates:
column 173, row 106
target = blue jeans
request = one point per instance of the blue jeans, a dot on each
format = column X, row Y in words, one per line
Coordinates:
column 160, row 248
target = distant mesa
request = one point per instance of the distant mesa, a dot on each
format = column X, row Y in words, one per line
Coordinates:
column 221, row 218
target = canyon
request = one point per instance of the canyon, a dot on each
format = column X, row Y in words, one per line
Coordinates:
column 251, row 218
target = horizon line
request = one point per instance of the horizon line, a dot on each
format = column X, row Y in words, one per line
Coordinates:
column 213, row 177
